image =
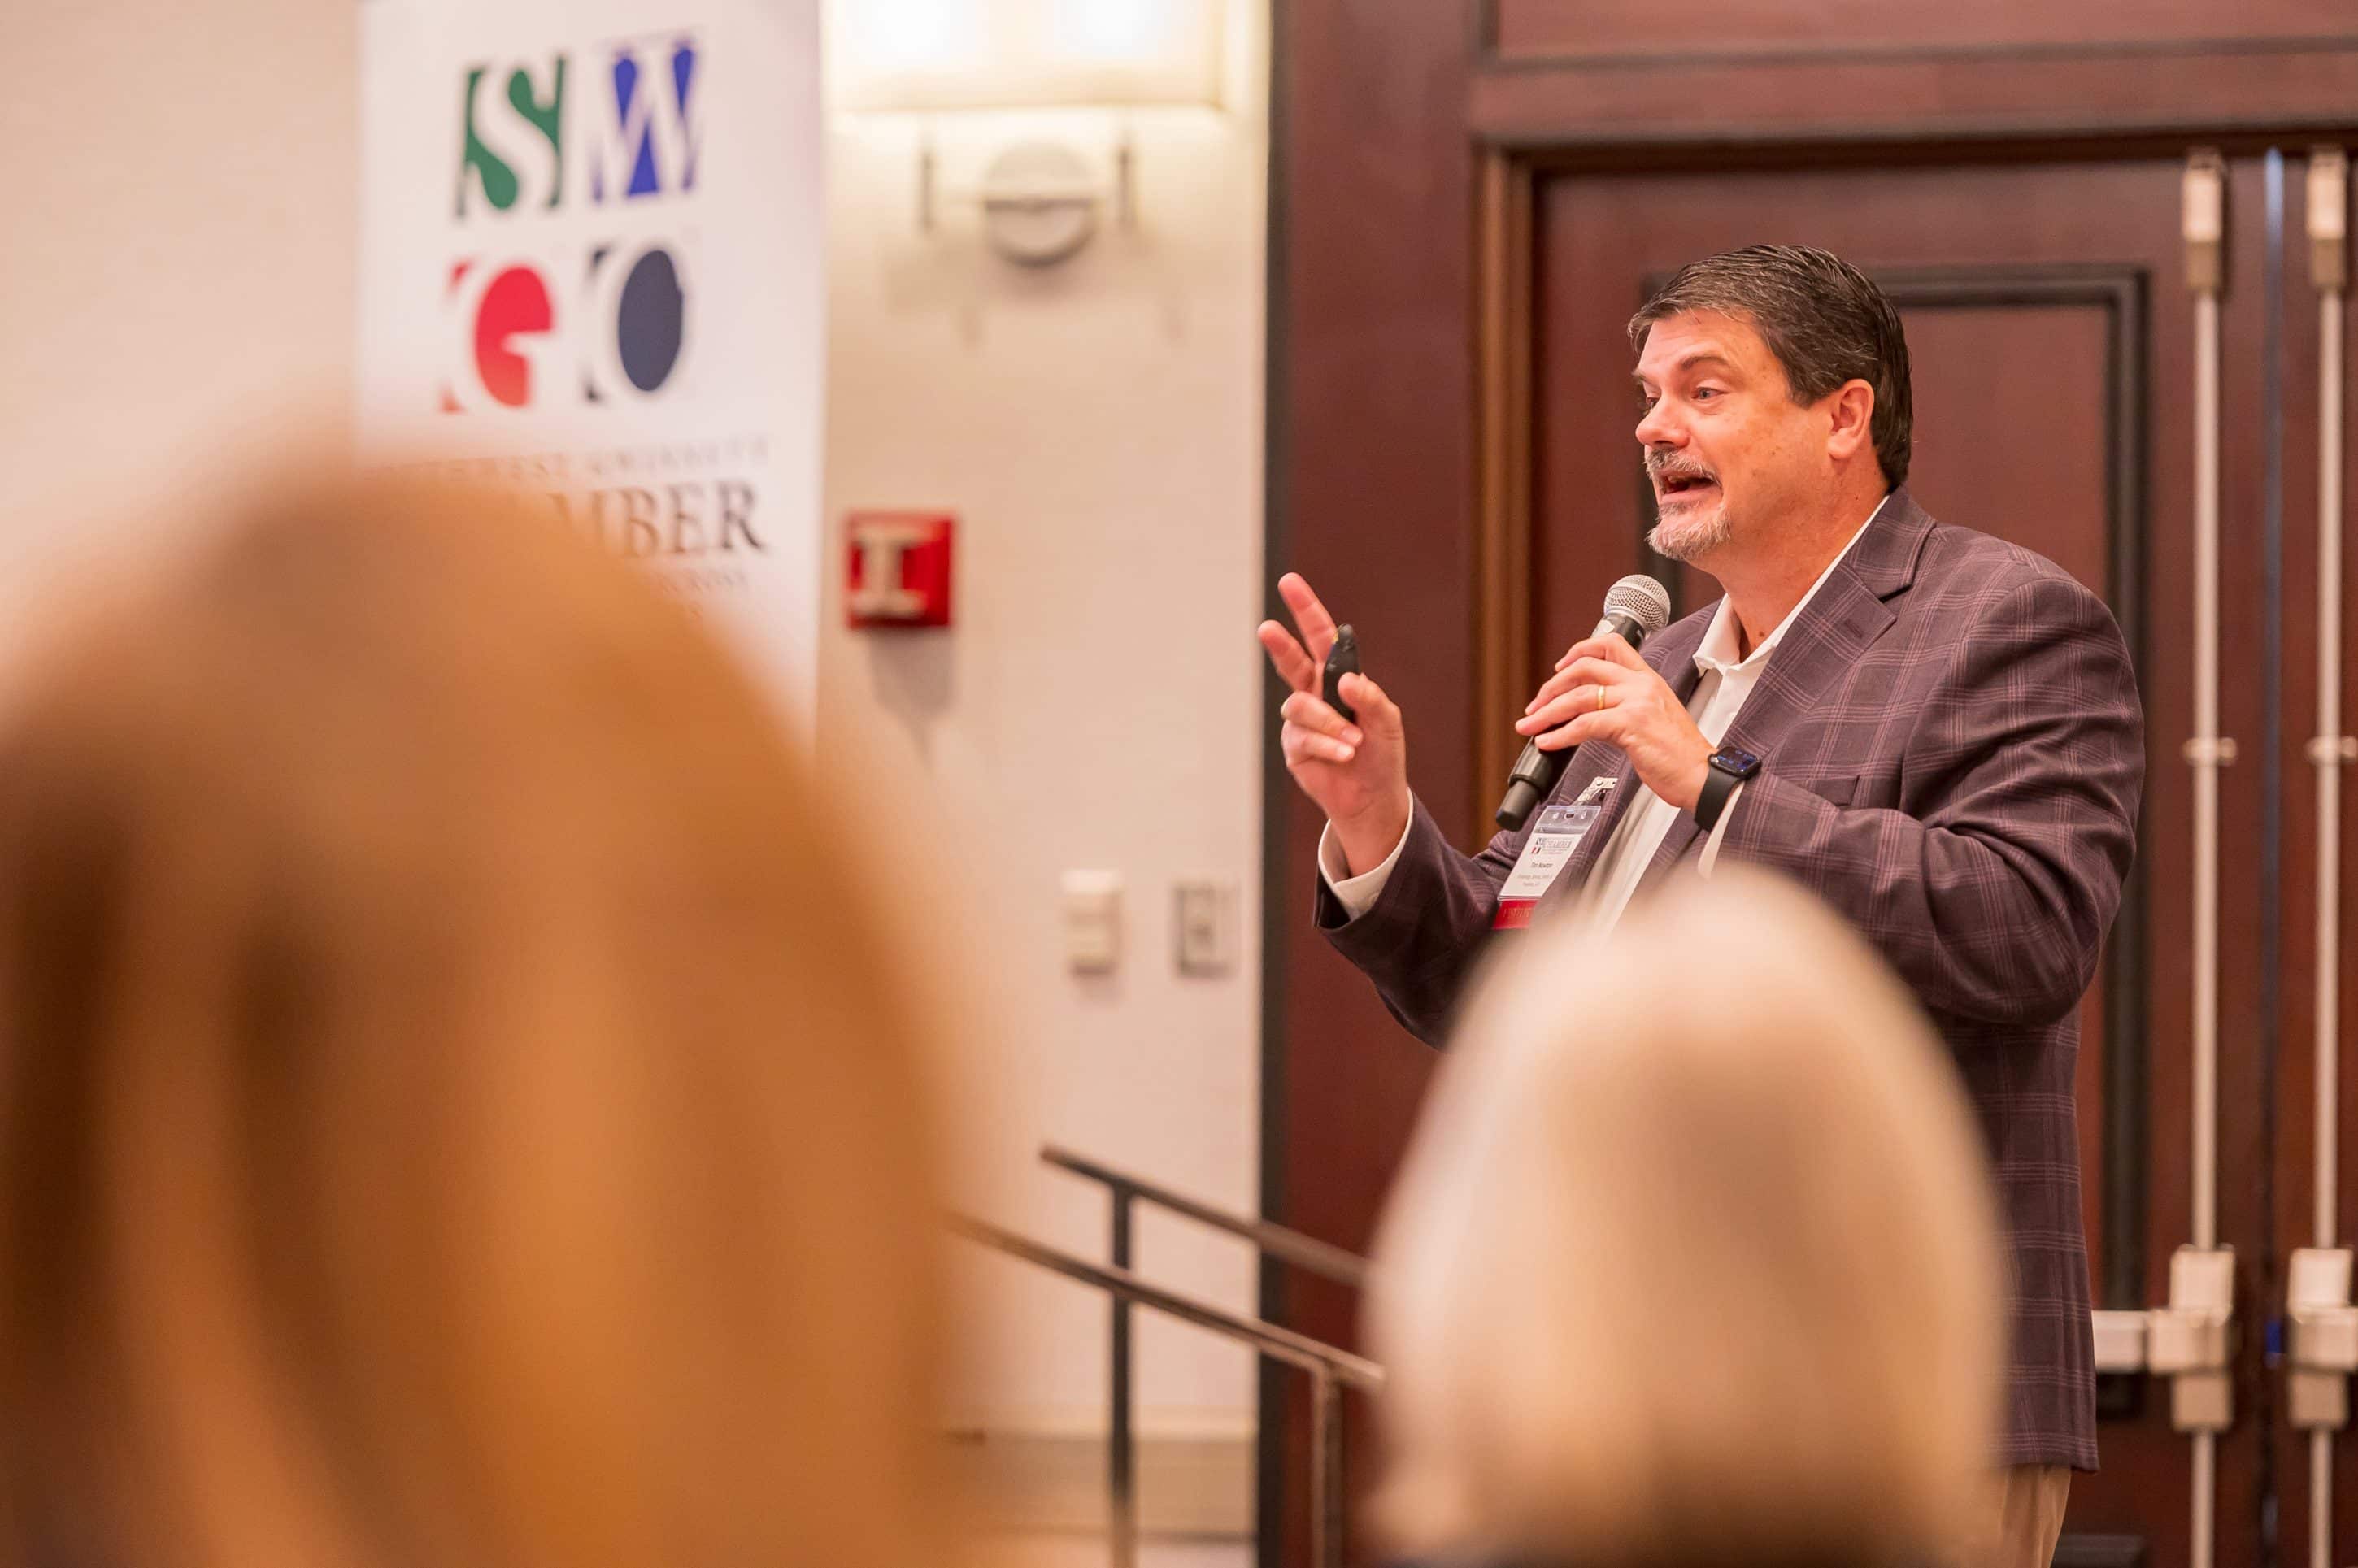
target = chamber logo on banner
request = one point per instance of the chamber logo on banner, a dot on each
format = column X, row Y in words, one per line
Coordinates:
column 554, row 306
column 593, row 267
column 601, row 319
column 640, row 142
column 515, row 331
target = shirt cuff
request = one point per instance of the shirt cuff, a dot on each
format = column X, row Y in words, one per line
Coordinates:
column 1358, row 894
column 1719, row 830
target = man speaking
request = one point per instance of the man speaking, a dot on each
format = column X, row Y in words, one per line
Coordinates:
column 1937, row 732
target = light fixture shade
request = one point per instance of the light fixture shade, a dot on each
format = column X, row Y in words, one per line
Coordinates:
column 1012, row 54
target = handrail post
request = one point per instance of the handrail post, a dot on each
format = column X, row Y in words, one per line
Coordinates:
column 1325, row 1470
column 1330, row 1368
column 1122, row 1448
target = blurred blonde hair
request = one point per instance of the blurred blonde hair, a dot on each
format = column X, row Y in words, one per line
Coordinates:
column 453, row 1107
column 1693, row 1258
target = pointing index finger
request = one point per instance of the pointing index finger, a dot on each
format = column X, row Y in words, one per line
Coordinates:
column 1317, row 627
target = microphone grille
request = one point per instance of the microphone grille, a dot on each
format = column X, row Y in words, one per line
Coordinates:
column 1642, row 599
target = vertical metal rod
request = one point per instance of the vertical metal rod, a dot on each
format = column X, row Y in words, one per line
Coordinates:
column 2206, row 773
column 1121, row 1438
column 2269, row 1042
column 2206, row 1494
column 2329, row 765
column 2321, row 1497
column 2204, row 231
column 1325, row 1470
column 2329, row 266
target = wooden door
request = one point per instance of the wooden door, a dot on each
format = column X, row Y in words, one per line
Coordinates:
column 1467, row 210
column 2051, row 326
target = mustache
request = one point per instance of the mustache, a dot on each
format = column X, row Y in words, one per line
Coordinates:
column 1671, row 465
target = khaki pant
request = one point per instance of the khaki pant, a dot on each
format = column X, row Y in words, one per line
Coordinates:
column 2025, row 1521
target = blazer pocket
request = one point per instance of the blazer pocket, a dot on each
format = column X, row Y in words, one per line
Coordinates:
column 1836, row 792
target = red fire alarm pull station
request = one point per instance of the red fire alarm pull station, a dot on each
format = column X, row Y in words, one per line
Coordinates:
column 899, row 567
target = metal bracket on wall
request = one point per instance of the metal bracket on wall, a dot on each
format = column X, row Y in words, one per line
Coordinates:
column 1040, row 203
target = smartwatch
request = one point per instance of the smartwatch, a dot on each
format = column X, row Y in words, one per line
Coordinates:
column 1729, row 766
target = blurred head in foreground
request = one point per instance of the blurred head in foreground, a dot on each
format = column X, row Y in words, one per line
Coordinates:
column 1694, row 1259
column 451, row 1110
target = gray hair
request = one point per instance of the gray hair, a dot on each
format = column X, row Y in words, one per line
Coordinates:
column 1692, row 1261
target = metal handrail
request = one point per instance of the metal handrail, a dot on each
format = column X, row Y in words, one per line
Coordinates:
column 1330, row 1368
column 1127, row 1191
column 1284, row 1344
column 1293, row 1246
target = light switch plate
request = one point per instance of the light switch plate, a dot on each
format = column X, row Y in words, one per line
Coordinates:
column 1092, row 922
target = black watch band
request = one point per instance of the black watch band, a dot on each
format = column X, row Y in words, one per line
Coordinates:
column 1728, row 768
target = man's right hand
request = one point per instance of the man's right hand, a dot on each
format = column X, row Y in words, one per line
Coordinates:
column 1355, row 773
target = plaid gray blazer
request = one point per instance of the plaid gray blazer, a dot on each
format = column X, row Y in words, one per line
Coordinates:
column 1954, row 755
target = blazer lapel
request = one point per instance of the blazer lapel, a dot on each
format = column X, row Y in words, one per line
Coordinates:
column 1832, row 631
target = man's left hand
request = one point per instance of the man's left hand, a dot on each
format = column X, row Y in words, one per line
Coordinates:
column 1602, row 691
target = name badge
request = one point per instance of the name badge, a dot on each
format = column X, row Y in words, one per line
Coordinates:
column 1554, row 839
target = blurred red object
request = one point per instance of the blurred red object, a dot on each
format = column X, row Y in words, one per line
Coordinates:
column 899, row 568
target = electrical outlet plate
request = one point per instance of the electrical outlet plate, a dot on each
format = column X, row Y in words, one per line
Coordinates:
column 1203, row 924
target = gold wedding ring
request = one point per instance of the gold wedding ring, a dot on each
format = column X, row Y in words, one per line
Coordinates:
column 1600, row 698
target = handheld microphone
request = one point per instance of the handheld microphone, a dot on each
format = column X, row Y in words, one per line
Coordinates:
column 1637, row 607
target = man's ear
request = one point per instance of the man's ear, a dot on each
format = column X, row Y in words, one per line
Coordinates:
column 1851, row 409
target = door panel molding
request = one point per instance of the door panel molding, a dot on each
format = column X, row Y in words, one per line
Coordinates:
column 1496, row 20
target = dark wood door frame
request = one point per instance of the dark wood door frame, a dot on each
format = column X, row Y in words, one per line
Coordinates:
column 1833, row 90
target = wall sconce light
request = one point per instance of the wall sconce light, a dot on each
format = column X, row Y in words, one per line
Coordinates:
column 1039, row 202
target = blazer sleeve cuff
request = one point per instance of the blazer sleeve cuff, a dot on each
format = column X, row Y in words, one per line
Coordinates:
column 1417, row 890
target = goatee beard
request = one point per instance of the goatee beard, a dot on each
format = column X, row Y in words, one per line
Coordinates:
column 1684, row 539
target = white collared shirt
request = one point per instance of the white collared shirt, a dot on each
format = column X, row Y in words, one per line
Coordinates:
column 1726, row 680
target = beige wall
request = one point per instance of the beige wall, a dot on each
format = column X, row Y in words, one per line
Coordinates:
column 177, row 274
column 176, row 294
column 1098, row 430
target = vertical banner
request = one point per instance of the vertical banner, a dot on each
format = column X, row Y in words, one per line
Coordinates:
column 592, row 264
